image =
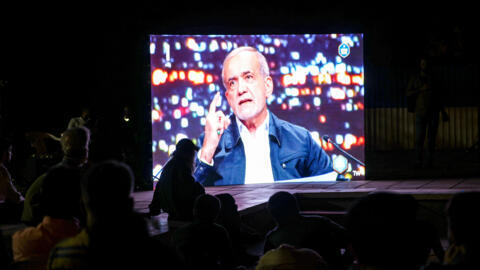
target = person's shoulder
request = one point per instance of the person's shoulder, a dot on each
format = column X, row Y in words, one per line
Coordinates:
column 79, row 241
column 26, row 235
column 36, row 185
column 70, row 253
column 317, row 220
column 288, row 130
column 280, row 123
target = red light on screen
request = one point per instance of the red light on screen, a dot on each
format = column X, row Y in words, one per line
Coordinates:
column 209, row 78
column 318, row 91
column 360, row 105
column 156, row 116
column 284, row 106
column 181, row 75
column 322, row 119
column 330, row 147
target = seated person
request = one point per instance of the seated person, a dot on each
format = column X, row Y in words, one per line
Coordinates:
column 59, row 202
column 74, row 143
column 384, row 233
column 287, row 257
column 254, row 145
column 204, row 244
column 464, row 237
column 240, row 234
column 177, row 190
column 319, row 233
column 116, row 237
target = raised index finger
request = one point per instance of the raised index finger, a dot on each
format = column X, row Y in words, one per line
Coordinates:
column 213, row 105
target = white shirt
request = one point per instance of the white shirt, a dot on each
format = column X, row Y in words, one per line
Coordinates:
column 258, row 167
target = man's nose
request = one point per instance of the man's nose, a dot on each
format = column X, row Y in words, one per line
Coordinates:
column 242, row 87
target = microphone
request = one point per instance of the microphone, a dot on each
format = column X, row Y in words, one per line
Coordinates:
column 327, row 139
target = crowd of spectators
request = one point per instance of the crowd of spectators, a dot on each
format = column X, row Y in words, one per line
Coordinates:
column 80, row 215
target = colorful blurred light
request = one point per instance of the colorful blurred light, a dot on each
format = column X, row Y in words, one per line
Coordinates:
column 322, row 119
column 337, row 93
column 159, row 77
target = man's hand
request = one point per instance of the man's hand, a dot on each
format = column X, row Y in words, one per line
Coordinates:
column 216, row 123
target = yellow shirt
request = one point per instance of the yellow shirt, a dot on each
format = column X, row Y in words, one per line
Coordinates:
column 288, row 257
column 71, row 253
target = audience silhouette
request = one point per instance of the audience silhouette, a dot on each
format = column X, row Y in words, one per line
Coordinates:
column 385, row 234
column 240, row 234
column 203, row 244
column 75, row 145
column 59, row 205
column 301, row 231
column 115, row 236
column 464, row 237
column 176, row 189
column 287, row 257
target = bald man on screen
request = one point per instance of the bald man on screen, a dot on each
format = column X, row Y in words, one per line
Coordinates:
column 253, row 145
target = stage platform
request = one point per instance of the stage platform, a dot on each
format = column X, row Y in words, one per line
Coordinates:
column 329, row 198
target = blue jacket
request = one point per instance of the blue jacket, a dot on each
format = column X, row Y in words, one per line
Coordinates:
column 293, row 154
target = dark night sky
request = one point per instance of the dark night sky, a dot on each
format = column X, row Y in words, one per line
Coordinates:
column 57, row 58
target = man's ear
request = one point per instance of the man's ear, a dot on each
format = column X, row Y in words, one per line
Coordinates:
column 268, row 86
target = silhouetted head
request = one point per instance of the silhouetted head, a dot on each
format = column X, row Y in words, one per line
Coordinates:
column 229, row 215
column 185, row 148
column 75, row 142
column 107, row 188
column 228, row 202
column 283, row 207
column 61, row 192
column 463, row 223
column 381, row 228
column 206, row 208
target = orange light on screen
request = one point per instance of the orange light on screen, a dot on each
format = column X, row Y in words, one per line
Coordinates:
column 330, row 147
column 361, row 140
column 159, row 76
column 322, row 119
column 360, row 105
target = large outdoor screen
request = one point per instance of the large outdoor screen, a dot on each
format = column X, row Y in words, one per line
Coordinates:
column 318, row 84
